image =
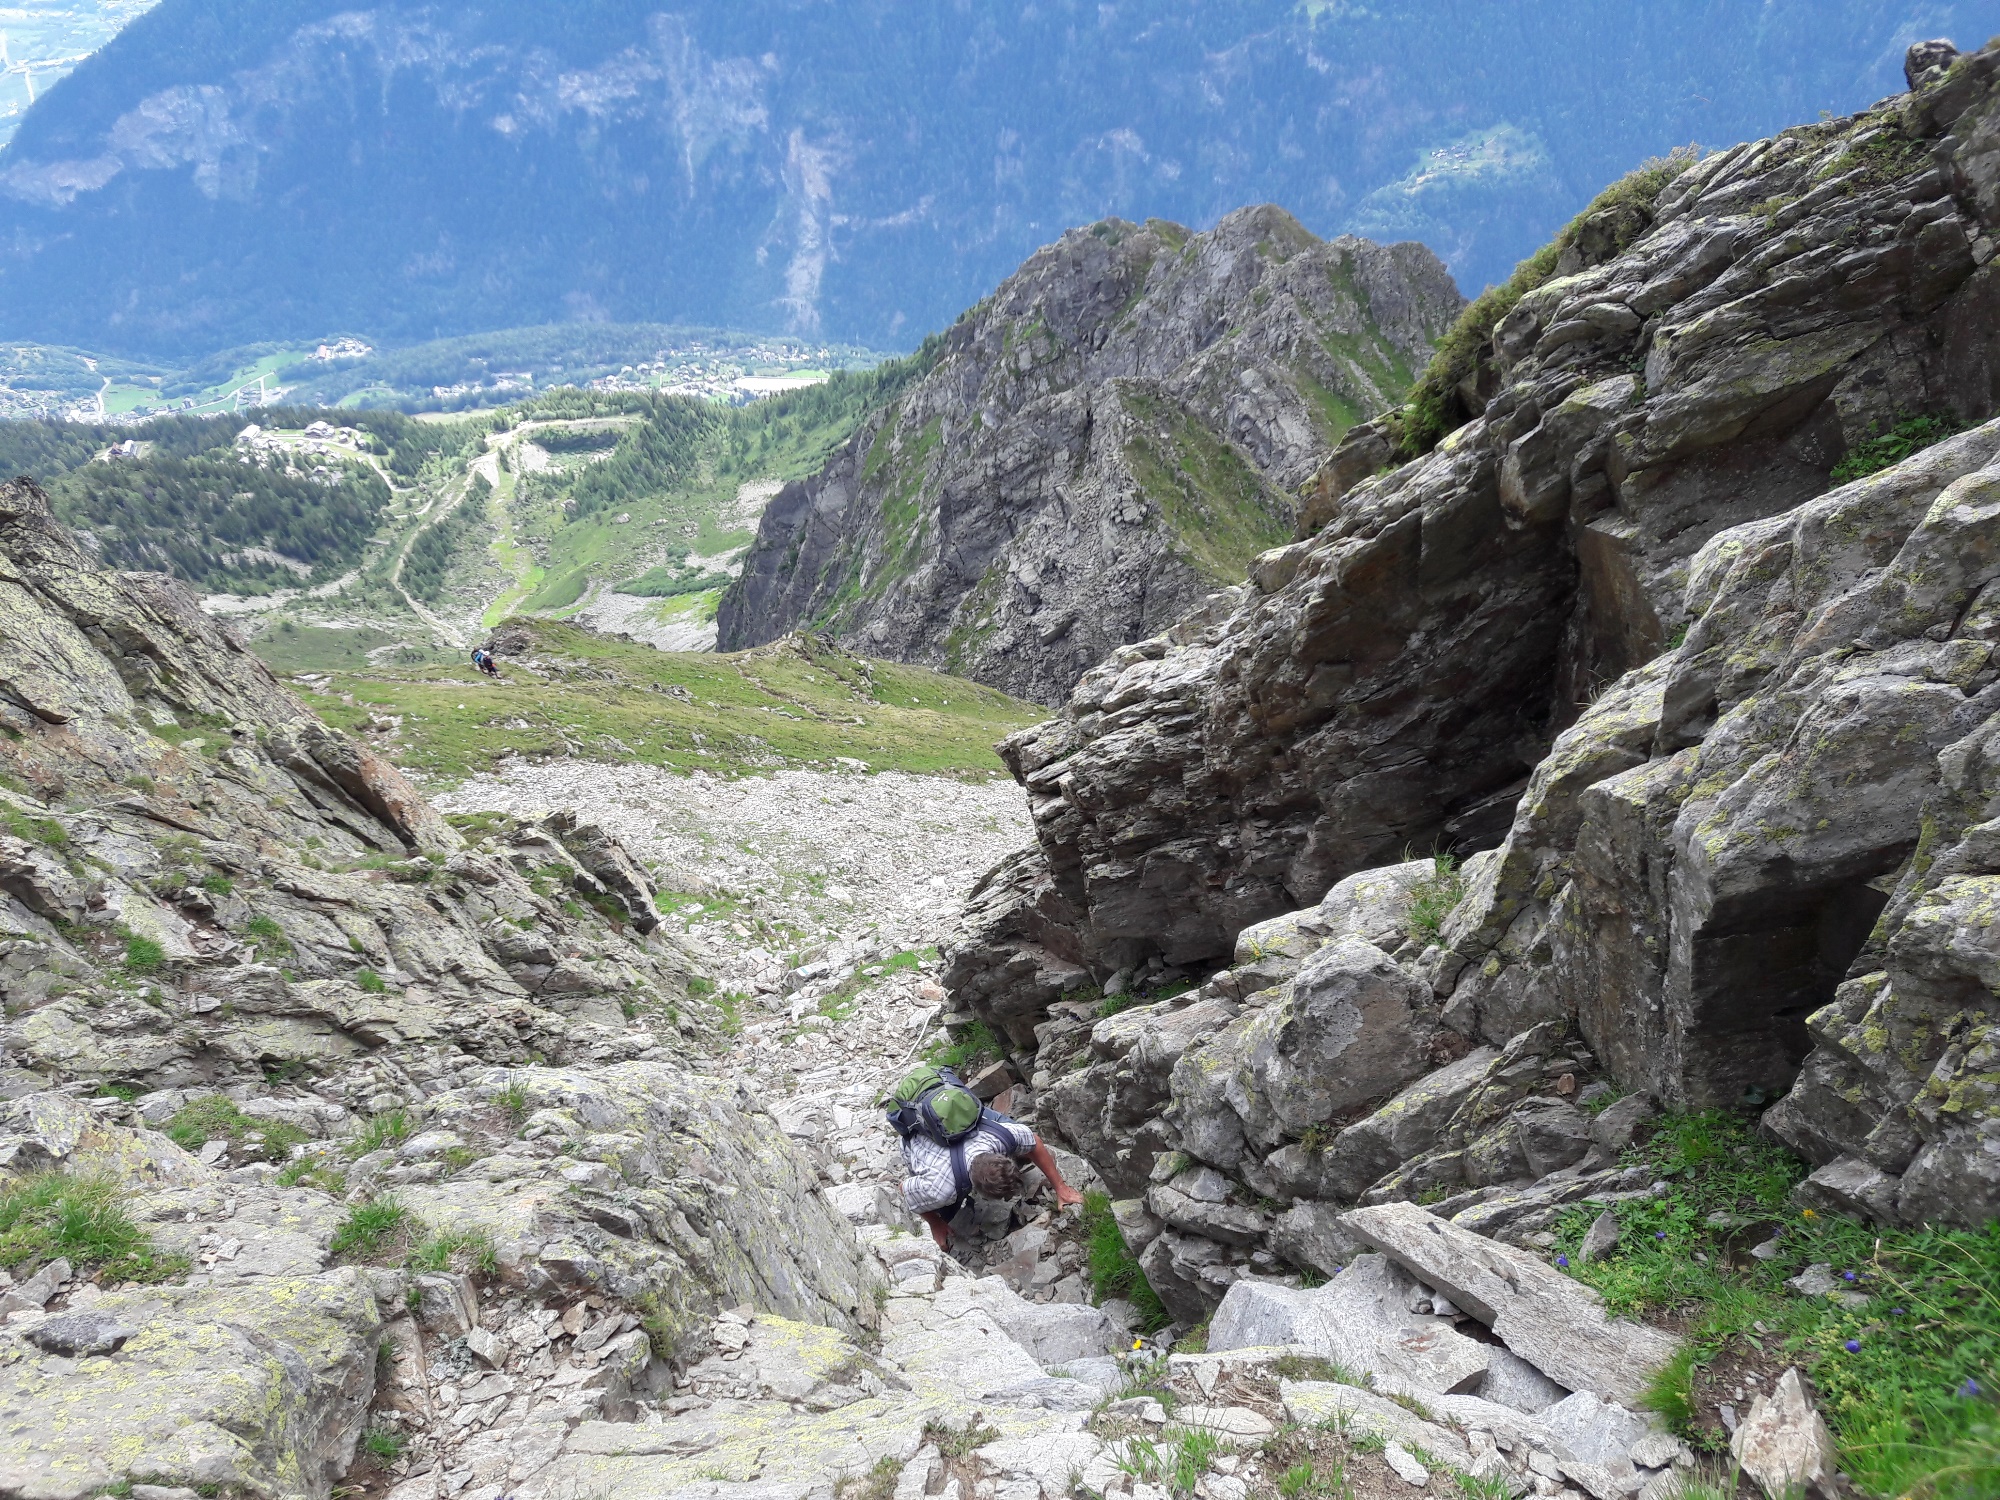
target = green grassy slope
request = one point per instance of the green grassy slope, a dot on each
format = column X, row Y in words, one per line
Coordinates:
column 794, row 702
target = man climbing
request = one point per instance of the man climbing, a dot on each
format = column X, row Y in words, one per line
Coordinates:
column 483, row 659
column 956, row 1149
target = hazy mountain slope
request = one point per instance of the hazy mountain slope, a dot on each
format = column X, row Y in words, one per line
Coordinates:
column 1113, row 435
column 220, row 174
column 45, row 42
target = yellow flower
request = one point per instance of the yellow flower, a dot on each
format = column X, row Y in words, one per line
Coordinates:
column 1806, row 1213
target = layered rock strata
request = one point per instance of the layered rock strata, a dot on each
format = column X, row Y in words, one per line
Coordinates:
column 1709, row 729
column 229, row 920
column 1117, row 430
column 1390, row 682
column 1774, row 696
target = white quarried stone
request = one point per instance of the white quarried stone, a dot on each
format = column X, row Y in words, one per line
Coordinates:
column 1405, row 1465
column 1783, row 1444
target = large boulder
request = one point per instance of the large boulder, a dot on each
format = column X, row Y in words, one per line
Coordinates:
column 1558, row 1325
column 1351, row 1026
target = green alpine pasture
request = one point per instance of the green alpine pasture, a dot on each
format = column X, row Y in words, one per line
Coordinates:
column 799, row 701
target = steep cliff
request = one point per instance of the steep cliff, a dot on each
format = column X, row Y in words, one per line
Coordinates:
column 268, row 1015
column 1724, row 716
column 1115, row 433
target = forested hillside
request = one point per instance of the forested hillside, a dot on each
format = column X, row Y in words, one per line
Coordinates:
column 186, row 499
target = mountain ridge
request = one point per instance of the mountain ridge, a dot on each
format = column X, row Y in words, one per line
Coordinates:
column 1114, row 433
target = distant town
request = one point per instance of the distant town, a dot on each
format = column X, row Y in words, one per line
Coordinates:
column 41, row 383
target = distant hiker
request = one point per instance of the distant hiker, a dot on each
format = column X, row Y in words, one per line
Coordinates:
column 956, row 1149
column 483, row 659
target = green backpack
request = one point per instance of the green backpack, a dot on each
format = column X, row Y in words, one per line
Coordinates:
column 933, row 1102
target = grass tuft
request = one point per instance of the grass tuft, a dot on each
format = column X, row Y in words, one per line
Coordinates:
column 1669, row 1394
column 1113, row 1268
column 1433, row 899
column 214, row 1117
column 879, row 1483
column 384, row 1443
column 973, row 1045
column 514, row 1102
column 469, row 1250
column 957, row 1442
column 1910, row 435
column 390, row 1128
column 369, row 1228
column 51, row 1215
column 143, row 956
column 313, row 1172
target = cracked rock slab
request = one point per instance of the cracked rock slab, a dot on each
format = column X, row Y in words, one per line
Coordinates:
column 1556, row 1324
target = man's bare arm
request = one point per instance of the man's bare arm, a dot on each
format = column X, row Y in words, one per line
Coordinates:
column 1044, row 1159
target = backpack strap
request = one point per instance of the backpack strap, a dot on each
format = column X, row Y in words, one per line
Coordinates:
column 961, row 1176
column 989, row 1125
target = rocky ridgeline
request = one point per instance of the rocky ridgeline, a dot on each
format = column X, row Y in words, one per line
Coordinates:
column 1718, row 727
column 1120, row 428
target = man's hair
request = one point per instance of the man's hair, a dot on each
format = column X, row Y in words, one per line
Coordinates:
column 995, row 1176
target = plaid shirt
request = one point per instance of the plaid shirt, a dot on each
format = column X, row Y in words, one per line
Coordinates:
column 930, row 1185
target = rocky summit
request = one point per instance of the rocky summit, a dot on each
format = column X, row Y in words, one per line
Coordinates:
column 1117, row 431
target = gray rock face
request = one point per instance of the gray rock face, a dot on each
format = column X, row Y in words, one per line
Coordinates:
column 1393, row 679
column 1407, row 1127
column 206, row 892
column 180, row 794
column 1352, row 1024
column 1730, row 729
column 1114, row 434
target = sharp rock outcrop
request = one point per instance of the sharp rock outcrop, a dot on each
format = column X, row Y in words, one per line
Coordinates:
column 1117, row 430
column 1706, row 716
